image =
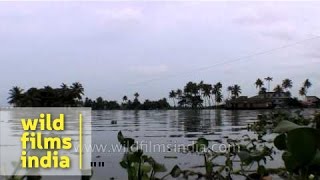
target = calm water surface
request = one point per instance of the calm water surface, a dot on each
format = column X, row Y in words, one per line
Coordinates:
column 167, row 128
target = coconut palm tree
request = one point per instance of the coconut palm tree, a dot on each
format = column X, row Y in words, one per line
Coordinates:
column 124, row 98
column 259, row 83
column 263, row 91
column 77, row 90
column 16, row 94
column 229, row 89
column 287, row 83
column 206, row 90
column 303, row 91
column 278, row 89
column 173, row 95
column 179, row 92
column 218, row 98
column 236, row 91
column 216, row 91
column 268, row 79
column 65, row 95
column 136, row 95
column 307, row 84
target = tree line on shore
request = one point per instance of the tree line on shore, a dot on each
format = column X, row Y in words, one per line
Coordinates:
column 193, row 95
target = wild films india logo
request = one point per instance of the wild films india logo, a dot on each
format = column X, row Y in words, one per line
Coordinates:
column 49, row 141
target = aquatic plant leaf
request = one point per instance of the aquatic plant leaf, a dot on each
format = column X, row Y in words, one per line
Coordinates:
column 135, row 156
column 203, row 142
column 145, row 177
column 280, row 142
column 120, row 136
column 290, row 163
column 316, row 159
column 176, row 171
column 199, row 146
column 244, row 157
column 302, row 144
column 124, row 164
column 209, row 167
column 159, row 168
column 262, row 171
column 127, row 142
column 146, row 168
column 285, row 126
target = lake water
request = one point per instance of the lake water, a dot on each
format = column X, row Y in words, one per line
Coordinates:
column 169, row 128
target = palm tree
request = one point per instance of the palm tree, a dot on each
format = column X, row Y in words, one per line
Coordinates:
column 303, row 91
column 268, row 79
column 307, row 84
column 236, row 91
column 206, row 91
column 173, row 95
column 278, row 89
column 218, row 98
column 216, row 91
column 136, row 95
column 287, row 83
column 263, row 91
column 16, row 94
column 124, row 98
column 64, row 86
column 77, row 90
column 259, row 83
column 229, row 89
column 179, row 92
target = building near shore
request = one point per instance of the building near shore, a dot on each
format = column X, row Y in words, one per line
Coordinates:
column 311, row 101
column 265, row 100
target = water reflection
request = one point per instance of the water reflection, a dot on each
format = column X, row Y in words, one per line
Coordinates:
column 218, row 117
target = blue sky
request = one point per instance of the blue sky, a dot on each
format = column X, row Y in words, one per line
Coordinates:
column 118, row 48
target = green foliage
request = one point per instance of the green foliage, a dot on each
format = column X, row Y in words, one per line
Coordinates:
column 199, row 146
column 65, row 96
column 138, row 165
column 301, row 148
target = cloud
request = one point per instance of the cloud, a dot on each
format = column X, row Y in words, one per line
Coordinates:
column 149, row 69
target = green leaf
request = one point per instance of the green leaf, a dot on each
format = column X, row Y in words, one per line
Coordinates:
column 135, row 156
column 145, row 177
column 262, row 170
column 302, row 144
column 285, row 126
column 120, row 136
column 175, row 172
column 290, row 163
column 127, row 142
column 316, row 159
column 159, row 168
column 280, row 142
column 123, row 164
column 244, row 157
column 146, row 168
column 203, row 142
column 156, row 166
column 209, row 167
